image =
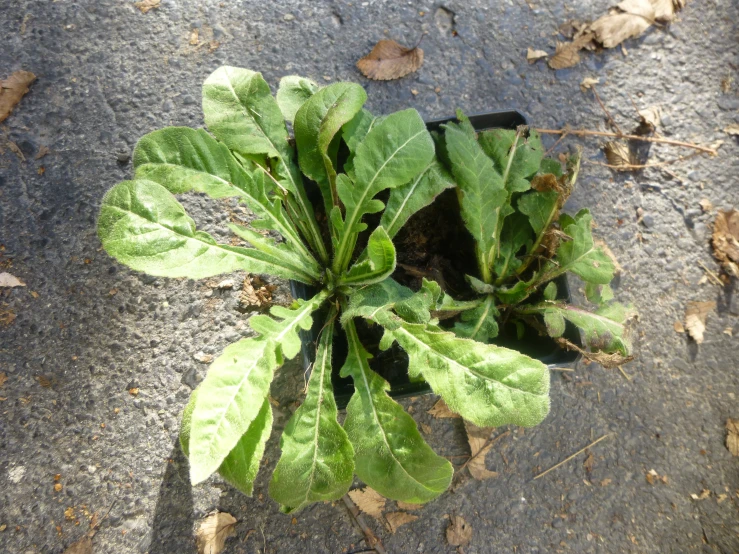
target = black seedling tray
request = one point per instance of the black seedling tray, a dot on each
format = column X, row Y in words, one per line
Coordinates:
column 392, row 364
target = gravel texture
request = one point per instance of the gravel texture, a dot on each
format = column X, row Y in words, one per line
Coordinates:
column 108, row 73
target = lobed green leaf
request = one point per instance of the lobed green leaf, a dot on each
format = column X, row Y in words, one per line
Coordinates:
column 237, row 384
column 142, row 225
column 241, row 466
column 389, row 452
column 317, row 462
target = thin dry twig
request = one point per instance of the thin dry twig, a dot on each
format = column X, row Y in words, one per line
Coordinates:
column 568, row 458
column 369, row 536
column 624, row 373
column 561, row 369
column 711, row 274
column 589, row 132
column 605, row 111
column 629, row 167
column 560, row 139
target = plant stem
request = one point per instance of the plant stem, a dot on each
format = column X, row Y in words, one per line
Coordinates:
column 588, row 132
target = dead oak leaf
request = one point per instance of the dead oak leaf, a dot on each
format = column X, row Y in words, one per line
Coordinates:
column 533, row 55
column 479, row 441
column 459, row 532
column 441, row 410
column 369, row 501
column 389, row 60
column 725, row 240
column 12, row 90
column 695, row 319
column 147, row 5
column 213, row 531
column 732, row 436
column 9, row 281
column 396, row 519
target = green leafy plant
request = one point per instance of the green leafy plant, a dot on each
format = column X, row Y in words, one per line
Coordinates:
column 350, row 157
column 510, row 199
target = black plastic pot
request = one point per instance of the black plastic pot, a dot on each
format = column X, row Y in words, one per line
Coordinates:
column 393, row 363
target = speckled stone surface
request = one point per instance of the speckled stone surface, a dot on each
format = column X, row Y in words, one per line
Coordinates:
column 108, row 73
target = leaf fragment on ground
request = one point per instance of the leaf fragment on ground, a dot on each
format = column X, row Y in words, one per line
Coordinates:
column 478, row 439
column 533, row 55
column 146, row 5
column 82, row 546
column 441, row 410
column 3, row 378
column 389, row 60
column 629, row 19
column 255, row 293
column 12, row 90
column 651, row 116
column 369, row 501
column 396, row 519
column 732, row 436
column 588, row 82
column 8, row 280
column 732, row 129
column 459, row 532
column 213, row 531
column 705, row 493
column 654, row 477
column 695, row 318
column 678, row 326
column 725, row 240
column 706, row 205
column 619, row 155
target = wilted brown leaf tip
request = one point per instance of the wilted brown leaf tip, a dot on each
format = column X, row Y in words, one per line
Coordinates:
column 389, row 60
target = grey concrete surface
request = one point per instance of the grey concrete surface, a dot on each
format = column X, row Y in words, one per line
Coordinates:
column 108, row 74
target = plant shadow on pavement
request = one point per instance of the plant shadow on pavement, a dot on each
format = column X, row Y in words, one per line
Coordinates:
column 172, row 527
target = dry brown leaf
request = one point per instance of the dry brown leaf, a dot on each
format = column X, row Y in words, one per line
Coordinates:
column 533, row 55
column 407, row 506
column 425, row 428
column 705, row 493
column 389, row 60
column 732, row 436
column 82, row 546
column 396, row 519
column 614, row 28
column 726, row 240
column 695, row 319
column 651, row 116
column 706, row 205
column 12, row 90
column 369, row 501
column 589, row 462
column 441, row 410
column 255, row 294
column 588, row 82
column 8, row 280
column 194, row 37
column 3, row 378
column 664, row 10
column 678, row 326
column 732, row 129
column 478, row 439
column 147, row 5
column 459, row 532
column 566, row 54
column 619, row 155
column 7, row 315
column 642, row 8
column 213, row 531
